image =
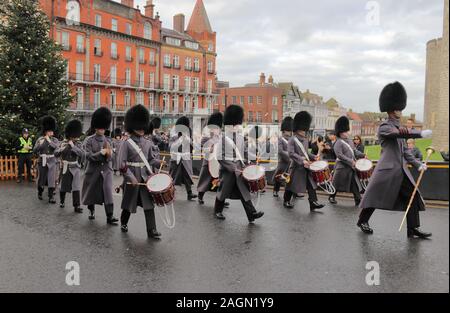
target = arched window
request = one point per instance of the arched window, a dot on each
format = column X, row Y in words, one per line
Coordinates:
column 147, row 30
column 73, row 12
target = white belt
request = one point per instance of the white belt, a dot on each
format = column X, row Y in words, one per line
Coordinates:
column 44, row 158
column 136, row 164
column 66, row 165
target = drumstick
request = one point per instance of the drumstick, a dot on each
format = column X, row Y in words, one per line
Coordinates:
column 139, row 184
column 162, row 164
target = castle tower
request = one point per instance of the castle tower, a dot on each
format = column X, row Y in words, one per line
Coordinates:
column 436, row 87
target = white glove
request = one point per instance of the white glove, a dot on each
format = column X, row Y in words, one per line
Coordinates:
column 423, row 168
column 427, row 133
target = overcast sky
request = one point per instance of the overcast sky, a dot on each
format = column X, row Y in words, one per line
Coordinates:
column 334, row 48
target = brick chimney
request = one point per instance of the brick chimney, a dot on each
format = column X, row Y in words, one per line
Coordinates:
column 178, row 23
column 149, row 8
column 262, row 79
column 128, row 3
column 271, row 80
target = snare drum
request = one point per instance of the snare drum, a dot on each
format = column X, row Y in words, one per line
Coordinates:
column 162, row 189
column 321, row 172
column 255, row 176
column 364, row 170
column 214, row 168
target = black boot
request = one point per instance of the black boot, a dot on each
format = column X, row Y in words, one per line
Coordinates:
column 288, row 205
column 275, row 194
column 365, row 228
column 62, row 199
column 111, row 220
column 51, row 196
column 40, row 192
column 191, row 196
column 219, row 216
column 91, row 212
column 314, row 205
column 200, row 198
column 416, row 232
column 226, row 205
column 332, row 199
column 78, row 210
column 124, row 228
column 255, row 216
column 154, row 234
column 19, row 180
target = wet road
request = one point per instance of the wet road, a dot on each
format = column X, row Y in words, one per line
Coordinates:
column 286, row 251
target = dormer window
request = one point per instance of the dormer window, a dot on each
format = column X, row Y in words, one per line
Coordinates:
column 173, row 41
column 147, row 30
column 191, row 45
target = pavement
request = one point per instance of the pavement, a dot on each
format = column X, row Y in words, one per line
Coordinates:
column 285, row 251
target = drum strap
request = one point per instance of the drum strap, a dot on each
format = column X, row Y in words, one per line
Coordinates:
column 141, row 154
column 349, row 148
column 235, row 148
column 302, row 148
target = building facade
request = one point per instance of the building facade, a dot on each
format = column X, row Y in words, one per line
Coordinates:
column 119, row 56
column 291, row 99
column 262, row 102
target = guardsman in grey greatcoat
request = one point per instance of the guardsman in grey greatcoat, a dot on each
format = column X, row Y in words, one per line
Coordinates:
column 45, row 147
column 72, row 157
column 214, row 130
column 231, row 153
column 301, row 178
column 345, row 178
column 135, row 155
column 284, row 161
column 116, row 143
column 181, row 148
column 98, row 178
column 391, row 185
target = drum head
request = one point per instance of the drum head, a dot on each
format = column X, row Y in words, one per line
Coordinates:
column 364, row 165
column 319, row 166
column 159, row 182
column 253, row 172
column 214, row 167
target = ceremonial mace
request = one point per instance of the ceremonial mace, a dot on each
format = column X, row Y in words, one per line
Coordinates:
column 430, row 151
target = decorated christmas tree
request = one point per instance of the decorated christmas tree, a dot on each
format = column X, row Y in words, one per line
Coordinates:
column 32, row 72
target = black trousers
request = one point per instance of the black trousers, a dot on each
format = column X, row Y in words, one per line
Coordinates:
column 276, row 185
column 51, row 191
column 312, row 195
column 248, row 207
column 149, row 219
column 76, row 196
column 406, row 190
column 201, row 195
column 354, row 190
column 109, row 209
column 25, row 159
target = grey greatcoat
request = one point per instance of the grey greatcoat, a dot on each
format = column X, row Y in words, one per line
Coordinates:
column 205, row 179
column 283, row 157
column 344, row 172
column 232, row 184
column 181, row 163
column 71, row 158
column 116, row 144
column 134, row 196
column 385, row 183
column 46, row 172
column 299, row 174
column 98, row 178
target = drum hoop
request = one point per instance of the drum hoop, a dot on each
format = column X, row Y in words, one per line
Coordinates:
column 253, row 179
column 162, row 191
column 363, row 161
column 320, row 169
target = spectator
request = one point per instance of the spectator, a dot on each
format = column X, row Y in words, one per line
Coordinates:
column 317, row 145
column 24, row 150
column 328, row 152
column 357, row 141
column 410, row 124
column 414, row 150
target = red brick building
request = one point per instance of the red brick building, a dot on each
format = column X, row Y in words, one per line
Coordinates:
column 119, row 56
column 262, row 102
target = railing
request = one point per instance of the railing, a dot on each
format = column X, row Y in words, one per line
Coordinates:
column 9, row 168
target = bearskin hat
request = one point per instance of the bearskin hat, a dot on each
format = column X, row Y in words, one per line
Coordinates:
column 234, row 115
column 137, row 118
column 302, row 121
column 342, row 125
column 101, row 119
column 74, row 129
column 286, row 125
column 393, row 97
column 216, row 119
column 156, row 123
column 48, row 123
column 149, row 129
column 184, row 121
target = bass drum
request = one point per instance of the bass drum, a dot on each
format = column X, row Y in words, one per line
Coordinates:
column 162, row 189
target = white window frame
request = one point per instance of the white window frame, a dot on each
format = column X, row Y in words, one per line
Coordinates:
column 148, row 30
column 98, row 20
column 114, row 24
